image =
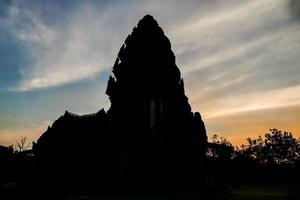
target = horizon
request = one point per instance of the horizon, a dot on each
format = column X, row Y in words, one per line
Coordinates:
column 239, row 61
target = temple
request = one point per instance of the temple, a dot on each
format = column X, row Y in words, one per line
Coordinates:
column 149, row 135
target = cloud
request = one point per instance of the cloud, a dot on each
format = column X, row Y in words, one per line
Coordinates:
column 79, row 47
column 294, row 9
column 85, row 41
column 255, row 101
column 226, row 50
column 263, row 67
column 237, row 127
column 241, row 57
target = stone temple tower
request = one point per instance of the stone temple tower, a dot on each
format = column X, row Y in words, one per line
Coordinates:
column 148, row 137
column 149, row 109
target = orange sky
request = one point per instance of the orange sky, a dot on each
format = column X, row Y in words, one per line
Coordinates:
column 237, row 127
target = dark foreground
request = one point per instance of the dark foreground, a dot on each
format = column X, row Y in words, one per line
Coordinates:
column 245, row 192
column 263, row 192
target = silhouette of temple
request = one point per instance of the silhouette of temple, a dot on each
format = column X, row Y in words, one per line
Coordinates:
column 149, row 135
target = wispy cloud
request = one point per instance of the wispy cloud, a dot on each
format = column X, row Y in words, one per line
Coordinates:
column 252, row 102
column 85, row 42
column 74, row 49
column 240, row 58
column 237, row 127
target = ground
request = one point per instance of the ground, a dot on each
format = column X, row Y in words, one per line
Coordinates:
column 245, row 192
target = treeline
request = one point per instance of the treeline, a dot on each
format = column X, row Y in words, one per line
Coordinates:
column 273, row 158
column 275, row 147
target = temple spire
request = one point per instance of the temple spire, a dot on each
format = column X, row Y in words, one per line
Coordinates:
column 145, row 62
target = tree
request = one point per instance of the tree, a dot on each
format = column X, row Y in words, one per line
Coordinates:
column 275, row 148
column 22, row 144
column 220, row 148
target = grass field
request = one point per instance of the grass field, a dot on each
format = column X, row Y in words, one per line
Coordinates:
column 263, row 192
column 245, row 192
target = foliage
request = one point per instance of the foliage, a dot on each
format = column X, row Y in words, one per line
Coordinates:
column 220, row 140
column 275, row 148
column 220, row 148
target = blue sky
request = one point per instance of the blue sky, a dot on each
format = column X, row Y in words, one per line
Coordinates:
column 239, row 60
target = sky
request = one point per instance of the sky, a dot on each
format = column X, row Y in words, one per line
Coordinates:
column 239, row 60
